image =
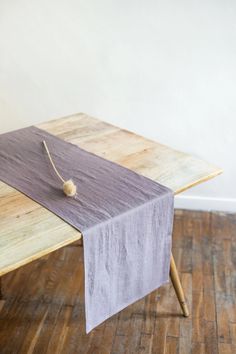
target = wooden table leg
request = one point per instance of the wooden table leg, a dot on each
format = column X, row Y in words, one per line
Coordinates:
column 178, row 287
column 1, row 295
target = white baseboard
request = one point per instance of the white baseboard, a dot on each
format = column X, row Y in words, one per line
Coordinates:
column 205, row 203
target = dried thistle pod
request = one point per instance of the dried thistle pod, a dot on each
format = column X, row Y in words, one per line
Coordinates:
column 69, row 188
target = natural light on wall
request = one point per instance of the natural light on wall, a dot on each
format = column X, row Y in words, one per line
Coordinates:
column 165, row 70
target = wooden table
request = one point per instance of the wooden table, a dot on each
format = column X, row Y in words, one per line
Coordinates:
column 28, row 231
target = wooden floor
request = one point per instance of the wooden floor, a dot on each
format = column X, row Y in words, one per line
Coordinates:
column 42, row 310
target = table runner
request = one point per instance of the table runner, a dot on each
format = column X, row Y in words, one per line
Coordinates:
column 125, row 218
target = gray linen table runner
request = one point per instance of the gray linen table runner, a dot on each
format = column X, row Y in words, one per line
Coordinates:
column 125, row 218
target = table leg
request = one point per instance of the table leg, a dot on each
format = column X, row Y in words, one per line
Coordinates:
column 82, row 241
column 1, row 294
column 178, row 287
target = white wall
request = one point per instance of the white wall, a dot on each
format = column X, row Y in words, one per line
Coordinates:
column 165, row 69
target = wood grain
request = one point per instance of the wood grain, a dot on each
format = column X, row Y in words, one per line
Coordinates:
column 43, row 306
column 28, row 231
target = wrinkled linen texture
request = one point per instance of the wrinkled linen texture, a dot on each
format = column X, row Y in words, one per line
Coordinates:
column 125, row 218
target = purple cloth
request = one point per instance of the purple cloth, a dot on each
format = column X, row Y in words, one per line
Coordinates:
column 125, row 218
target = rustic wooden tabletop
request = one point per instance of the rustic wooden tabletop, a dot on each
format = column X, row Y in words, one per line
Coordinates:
column 29, row 231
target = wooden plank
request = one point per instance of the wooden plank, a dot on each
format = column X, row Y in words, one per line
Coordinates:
column 28, row 231
column 175, row 169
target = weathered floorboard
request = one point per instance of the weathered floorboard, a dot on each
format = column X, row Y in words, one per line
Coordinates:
column 42, row 310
